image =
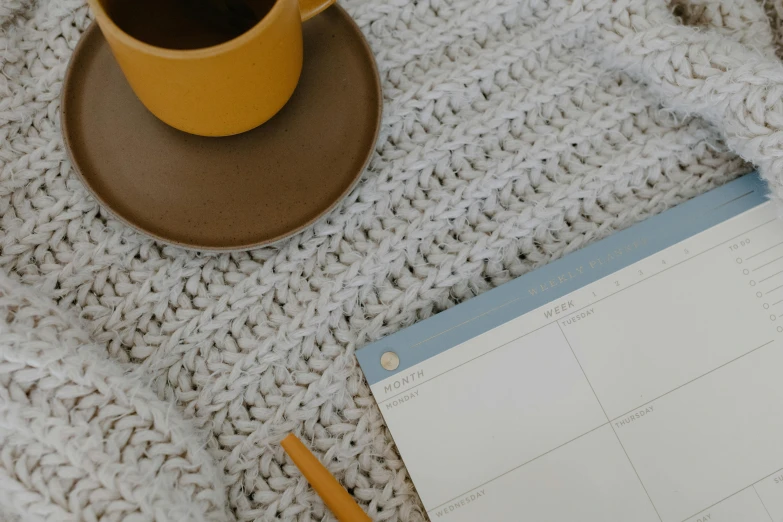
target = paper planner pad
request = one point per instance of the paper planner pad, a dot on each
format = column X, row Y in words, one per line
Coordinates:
column 639, row 379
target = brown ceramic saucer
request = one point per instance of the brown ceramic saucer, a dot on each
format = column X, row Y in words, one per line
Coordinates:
column 231, row 193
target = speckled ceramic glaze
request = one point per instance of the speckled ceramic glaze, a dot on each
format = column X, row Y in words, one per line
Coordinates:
column 232, row 193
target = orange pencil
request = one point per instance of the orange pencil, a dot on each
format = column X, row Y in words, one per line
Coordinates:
column 331, row 492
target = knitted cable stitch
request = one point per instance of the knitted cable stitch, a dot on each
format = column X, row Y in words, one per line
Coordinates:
column 514, row 131
column 10, row 8
column 729, row 76
column 82, row 440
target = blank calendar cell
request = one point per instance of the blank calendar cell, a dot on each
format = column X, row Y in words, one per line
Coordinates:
column 666, row 331
column 712, row 438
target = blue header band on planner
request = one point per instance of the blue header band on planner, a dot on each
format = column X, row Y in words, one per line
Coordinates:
column 510, row 300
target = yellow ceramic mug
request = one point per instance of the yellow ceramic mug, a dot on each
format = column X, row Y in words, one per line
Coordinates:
column 221, row 90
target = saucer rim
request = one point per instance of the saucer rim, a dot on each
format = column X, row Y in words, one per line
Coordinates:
column 68, row 85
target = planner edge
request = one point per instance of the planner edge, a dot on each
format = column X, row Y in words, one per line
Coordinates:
column 495, row 307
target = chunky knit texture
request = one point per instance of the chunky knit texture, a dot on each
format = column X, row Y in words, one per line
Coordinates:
column 514, row 131
column 82, row 440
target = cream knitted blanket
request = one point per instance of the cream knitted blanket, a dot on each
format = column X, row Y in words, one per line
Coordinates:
column 143, row 382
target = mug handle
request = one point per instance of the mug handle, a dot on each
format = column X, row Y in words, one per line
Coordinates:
column 310, row 8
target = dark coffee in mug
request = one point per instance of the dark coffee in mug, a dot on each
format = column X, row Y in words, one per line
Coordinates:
column 186, row 24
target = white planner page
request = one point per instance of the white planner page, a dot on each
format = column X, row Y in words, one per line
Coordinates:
column 654, row 394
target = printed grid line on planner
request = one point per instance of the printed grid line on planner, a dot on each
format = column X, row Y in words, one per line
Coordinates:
column 633, row 388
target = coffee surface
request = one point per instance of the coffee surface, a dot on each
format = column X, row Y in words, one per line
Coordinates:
column 186, row 24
